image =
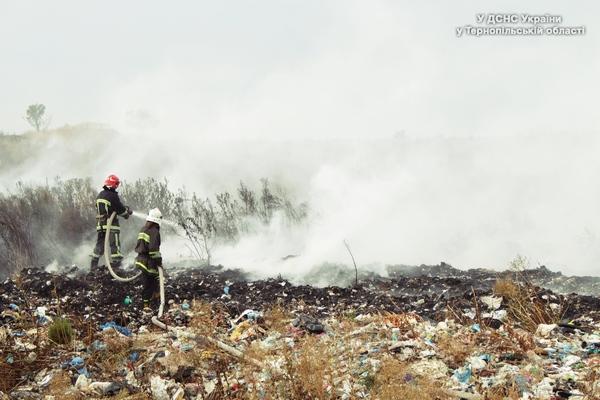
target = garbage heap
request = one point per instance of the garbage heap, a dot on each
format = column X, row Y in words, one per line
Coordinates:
column 70, row 336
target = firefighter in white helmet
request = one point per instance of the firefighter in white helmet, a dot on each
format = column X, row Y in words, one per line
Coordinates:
column 149, row 258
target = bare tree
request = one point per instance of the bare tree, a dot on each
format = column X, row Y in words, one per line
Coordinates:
column 200, row 225
column 35, row 116
column 353, row 261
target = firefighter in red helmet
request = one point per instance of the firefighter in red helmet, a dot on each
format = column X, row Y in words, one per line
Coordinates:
column 108, row 201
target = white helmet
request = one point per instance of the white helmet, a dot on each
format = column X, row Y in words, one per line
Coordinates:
column 154, row 216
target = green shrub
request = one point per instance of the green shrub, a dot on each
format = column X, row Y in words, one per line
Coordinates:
column 61, row 331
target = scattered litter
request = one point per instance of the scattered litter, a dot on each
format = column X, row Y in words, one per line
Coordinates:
column 462, row 375
column 82, row 383
column 40, row 313
column 98, row 345
column 492, row 302
column 76, row 362
column 186, row 347
column 425, row 327
column 105, row 388
column 134, row 356
column 158, row 386
column 544, row 330
column 111, row 325
column 309, row 324
column 247, row 315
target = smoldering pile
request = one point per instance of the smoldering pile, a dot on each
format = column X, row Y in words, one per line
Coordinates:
column 429, row 291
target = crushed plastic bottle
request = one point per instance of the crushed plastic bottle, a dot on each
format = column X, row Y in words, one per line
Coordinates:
column 98, row 345
column 134, row 356
column 40, row 313
column 76, row 362
column 462, row 375
column 112, row 325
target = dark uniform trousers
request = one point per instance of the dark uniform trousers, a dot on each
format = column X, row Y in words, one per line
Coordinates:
column 107, row 202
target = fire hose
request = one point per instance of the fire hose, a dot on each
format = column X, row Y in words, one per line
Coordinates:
column 226, row 348
column 106, row 252
column 155, row 319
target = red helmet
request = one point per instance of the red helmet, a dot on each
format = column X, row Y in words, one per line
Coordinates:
column 112, row 181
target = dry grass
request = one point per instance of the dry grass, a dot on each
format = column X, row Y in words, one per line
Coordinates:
column 525, row 306
column 507, row 288
column 11, row 374
column 405, row 322
column 208, row 318
column 124, row 395
column 312, row 369
column 590, row 385
column 277, row 319
column 451, row 312
column 60, row 387
column 521, row 338
column 117, row 351
column 393, row 381
column 456, row 349
column 509, row 391
column 516, row 343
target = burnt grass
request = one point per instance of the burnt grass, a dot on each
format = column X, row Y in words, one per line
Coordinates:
column 427, row 291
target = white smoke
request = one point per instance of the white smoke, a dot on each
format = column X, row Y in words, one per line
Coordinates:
column 412, row 144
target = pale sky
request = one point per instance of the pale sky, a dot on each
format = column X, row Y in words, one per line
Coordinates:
column 313, row 68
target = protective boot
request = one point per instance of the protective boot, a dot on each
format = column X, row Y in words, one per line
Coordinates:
column 147, row 309
column 116, row 266
column 94, row 265
column 155, row 301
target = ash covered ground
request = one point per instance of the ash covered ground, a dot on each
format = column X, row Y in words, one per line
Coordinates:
column 426, row 290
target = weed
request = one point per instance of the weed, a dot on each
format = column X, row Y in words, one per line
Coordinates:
column 525, row 306
column 590, row 386
column 60, row 387
column 456, row 349
column 277, row 319
column 60, row 331
column 394, row 381
column 405, row 322
column 207, row 318
column 124, row 395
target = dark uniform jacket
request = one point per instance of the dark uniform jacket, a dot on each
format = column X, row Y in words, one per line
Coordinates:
column 108, row 201
column 148, row 249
